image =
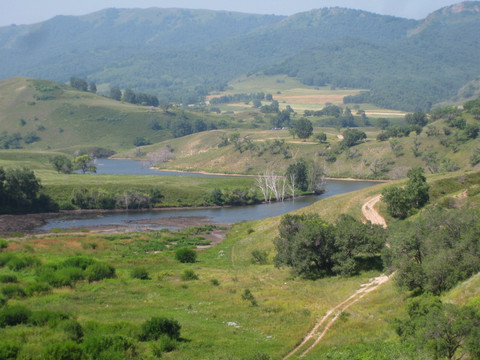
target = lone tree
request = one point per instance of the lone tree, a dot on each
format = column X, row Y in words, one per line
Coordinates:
column 352, row 137
column 303, row 128
column 62, row 164
column 84, row 163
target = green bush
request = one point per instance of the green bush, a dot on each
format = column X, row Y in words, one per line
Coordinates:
column 186, row 255
column 47, row 317
column 14, row 315
column 3, row 244
column 247, row 295
column 189, row 274
column 67, row 350
column 163, row 345
column 72, row 329
column 140, row 273
column 13, row 290
column 9, row 351
column 5, row 258
column 108, row 346
column 17, row 263
column 8, row 278
column 259, row 257
column 99, row 271
column 154, row 328
column 214, row 282
column 77, row 262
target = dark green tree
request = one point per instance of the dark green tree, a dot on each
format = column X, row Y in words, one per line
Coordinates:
column 417, row 118
column 62, row 164
column 92, row 87
column 300, row 171
column 129, row 96
column 78, row 84
column 116, row 93
column 303, row 128
column 306, row 244
column 352, row 137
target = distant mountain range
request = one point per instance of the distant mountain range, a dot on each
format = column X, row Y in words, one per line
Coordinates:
column 181, row 55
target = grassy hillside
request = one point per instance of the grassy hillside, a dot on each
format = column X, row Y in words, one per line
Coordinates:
column 55, row 116
column 373, row 158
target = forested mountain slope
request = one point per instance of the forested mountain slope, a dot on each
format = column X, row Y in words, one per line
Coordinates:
column 181, row 55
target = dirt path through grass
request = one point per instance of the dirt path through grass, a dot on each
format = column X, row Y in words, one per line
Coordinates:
column 368, row 210
column 322, row 327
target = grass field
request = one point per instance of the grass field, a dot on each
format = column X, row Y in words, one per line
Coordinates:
column 215, row 320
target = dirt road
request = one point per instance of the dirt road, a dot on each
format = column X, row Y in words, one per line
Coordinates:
column 322, row 327
column 371, row 214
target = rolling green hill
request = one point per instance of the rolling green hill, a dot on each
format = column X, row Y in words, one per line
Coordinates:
column 43, row 115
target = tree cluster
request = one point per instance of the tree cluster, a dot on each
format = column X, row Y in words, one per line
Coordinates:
column 133, row 98
column 82, row 85
column 20, row 192
column 441, row 330
column 401, row 201
column 314, row 248
column 436, row 251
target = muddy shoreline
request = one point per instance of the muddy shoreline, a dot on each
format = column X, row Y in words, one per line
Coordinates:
column 27, row 223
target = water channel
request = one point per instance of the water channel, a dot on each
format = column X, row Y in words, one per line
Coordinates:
column 138, row 220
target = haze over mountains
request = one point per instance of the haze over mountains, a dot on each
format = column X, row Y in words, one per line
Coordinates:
column 181, row 55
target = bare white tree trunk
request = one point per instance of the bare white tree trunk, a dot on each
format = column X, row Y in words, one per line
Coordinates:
column 262, row 184
column 291, row 185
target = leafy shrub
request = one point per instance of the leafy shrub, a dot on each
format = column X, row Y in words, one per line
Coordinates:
column 78, row 262
column 154, row 328
column 163, row 345
column 13, row 290
column 17, row 263
column 140, row 273
column 259, row 257
column 189, row 274
column 107, row 346
column 8, row 278
column 8, row 351
column 3, row 244
column 186, row 255
column 73, row 329
column 47, row 317
column 247, row 295
column 5, row 258
column 14, row 315
column 67, row 350
column 215, row 282
column 99, row 271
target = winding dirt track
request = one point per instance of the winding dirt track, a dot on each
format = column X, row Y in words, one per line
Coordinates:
column 322, row 327
column 371, row 214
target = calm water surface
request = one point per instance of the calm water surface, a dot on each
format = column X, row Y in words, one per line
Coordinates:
column 220, row 215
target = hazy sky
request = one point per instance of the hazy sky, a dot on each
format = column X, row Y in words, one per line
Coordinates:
column 32, row 11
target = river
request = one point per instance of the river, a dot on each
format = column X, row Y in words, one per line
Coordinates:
column 137, row 220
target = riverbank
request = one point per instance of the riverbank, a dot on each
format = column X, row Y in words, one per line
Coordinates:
column 28, row 223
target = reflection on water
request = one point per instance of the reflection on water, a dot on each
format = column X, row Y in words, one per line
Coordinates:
column 128, row 220
column 132, row 167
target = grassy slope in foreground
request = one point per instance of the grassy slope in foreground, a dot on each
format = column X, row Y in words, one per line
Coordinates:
column 215, row 320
